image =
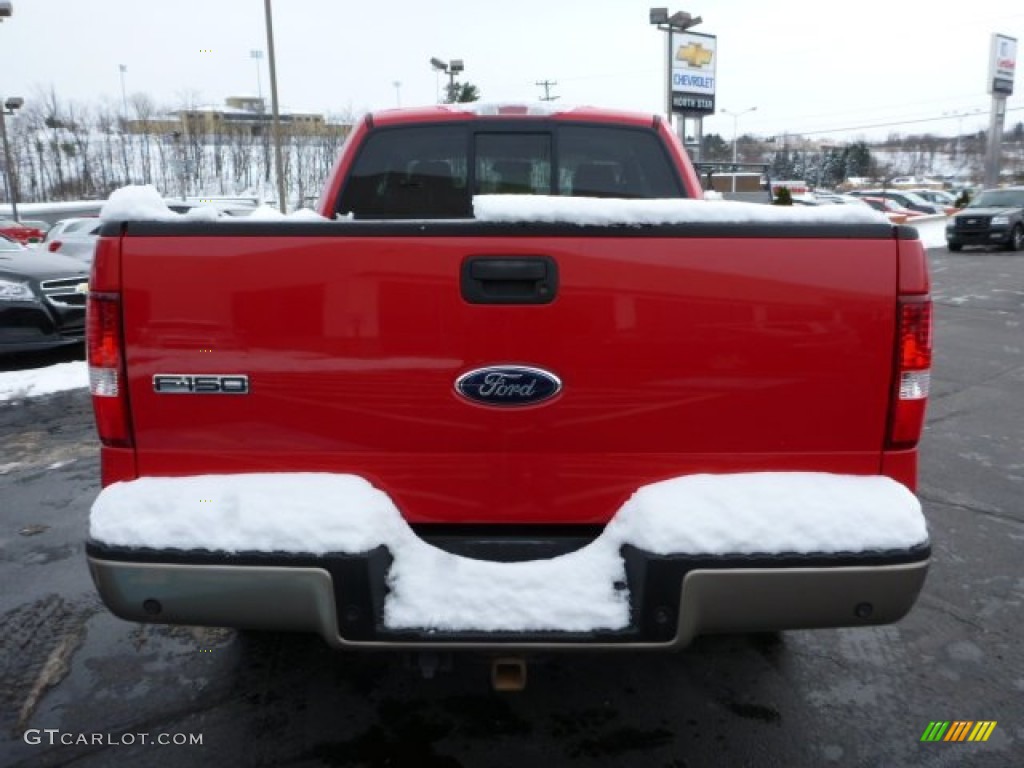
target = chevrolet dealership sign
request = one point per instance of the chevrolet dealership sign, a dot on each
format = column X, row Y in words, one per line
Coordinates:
column 694, row 58
column 1001, row 65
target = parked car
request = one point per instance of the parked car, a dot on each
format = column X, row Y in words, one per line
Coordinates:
column 907, row 200
column 42, row 226
column 224, row 207
column 938, row 197
column 77, row 241
column 993, row 217
column 20, row 232
column 897, row 213
column 68, row 225
column 42, row 298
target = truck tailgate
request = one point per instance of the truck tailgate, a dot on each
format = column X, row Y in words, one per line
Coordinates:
column 677, row 355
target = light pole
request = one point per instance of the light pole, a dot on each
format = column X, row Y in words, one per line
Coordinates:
column 123, row 68
column 680, row 21
column 960, row 127
column 9, row 107
column 6, row 11
column 257, row 56
column 124, row 94
column 278, row 161
column 451, row 69
column 735, row 137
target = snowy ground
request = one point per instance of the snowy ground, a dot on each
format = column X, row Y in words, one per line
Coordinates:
column 932, row 230
column 18, row 385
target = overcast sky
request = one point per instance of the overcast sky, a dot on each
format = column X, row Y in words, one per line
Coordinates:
column 807, row 66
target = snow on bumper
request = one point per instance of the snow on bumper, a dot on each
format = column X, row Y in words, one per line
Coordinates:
column 756, row 516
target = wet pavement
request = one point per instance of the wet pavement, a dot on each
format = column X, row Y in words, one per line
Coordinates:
column 71, row 672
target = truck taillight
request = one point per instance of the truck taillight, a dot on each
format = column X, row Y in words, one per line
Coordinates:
column 914, row 361
column 106, row 368
column 105, row 347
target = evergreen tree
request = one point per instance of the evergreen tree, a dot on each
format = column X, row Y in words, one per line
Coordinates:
column 715, row 148
column 858, row 160
column 782, row 165
column 463, row 92
column 783, row 197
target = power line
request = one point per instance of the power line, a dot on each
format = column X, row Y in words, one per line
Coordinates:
column 547, row 85
column 882, row 125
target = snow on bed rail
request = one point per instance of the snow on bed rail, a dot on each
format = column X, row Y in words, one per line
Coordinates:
column 432, row 589
column 614, row 212
column 144, row 203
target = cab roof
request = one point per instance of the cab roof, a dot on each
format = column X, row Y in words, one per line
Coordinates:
column 442, row 113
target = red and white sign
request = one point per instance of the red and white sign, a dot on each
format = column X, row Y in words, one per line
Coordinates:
column 1002, row 64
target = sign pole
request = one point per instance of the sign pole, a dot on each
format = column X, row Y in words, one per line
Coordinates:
column 993, row 152
column 1001, row 66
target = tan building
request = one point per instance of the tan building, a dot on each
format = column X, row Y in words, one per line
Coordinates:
column 240, row 114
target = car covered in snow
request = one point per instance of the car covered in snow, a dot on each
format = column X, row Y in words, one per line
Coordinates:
column 42, row 299
column 904, row 199
column 519, row 387
column 76, row 241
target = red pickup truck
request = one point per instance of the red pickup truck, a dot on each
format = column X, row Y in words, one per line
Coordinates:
column 518, row 386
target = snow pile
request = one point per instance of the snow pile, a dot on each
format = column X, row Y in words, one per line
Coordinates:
column 931, row 230
column 605, row 212
column 432, row 589
column 266, row 213
column 18, row 385
column 136, row 202
column 144, row 203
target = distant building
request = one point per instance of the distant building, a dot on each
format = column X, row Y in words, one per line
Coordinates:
column 240, row 114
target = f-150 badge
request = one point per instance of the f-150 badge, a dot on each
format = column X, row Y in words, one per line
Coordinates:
column 204, row 384
column 508, row 385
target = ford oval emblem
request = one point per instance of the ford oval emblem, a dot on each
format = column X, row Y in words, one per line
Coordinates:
column 508, row 385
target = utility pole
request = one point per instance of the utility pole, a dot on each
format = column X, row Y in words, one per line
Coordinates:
column 547, row 85
column 278, row 160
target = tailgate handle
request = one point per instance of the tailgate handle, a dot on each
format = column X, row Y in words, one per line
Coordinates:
column 509, row 279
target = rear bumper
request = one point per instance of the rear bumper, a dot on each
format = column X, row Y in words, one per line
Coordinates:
column 672, row 598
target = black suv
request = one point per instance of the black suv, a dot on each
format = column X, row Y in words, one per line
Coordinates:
column 993, row 217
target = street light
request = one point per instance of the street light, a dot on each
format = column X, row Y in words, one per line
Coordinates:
column 450, row 69
column 735, row 137
column 959, row 126
column 680, row 21
column 9, row 107
column 257, row 55
column 6, row 9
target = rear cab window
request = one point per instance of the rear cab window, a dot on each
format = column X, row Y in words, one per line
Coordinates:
column 432, row 172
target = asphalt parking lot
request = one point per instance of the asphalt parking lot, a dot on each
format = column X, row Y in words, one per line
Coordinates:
column 858, row 697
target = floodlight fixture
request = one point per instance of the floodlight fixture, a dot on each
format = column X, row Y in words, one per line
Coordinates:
column 13, row 103
column 457, row 65
column 681, row 21
column 659, row 15
column 438, row 64
column 6, row 9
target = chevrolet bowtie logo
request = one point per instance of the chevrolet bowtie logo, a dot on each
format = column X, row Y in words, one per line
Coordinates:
column 694, row 54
